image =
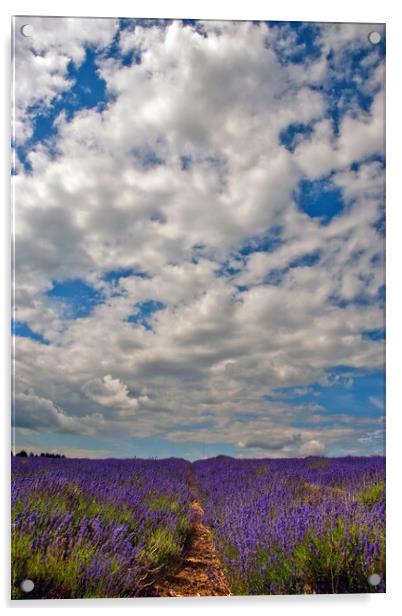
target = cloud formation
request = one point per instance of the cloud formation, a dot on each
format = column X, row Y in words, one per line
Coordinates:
column 184, row 182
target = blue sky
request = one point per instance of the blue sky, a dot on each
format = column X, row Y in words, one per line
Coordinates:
column 77, row 298
column 200, row 238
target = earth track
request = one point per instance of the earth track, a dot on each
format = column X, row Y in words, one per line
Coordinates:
column 200, row 572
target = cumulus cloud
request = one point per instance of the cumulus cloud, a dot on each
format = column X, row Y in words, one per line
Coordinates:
column 313, row 448
column 111, row 393
column 36, row 413
column 41, row 62
column 183, row 182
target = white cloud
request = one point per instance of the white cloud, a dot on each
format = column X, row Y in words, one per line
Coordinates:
column 41, row 61
column 359, row 138
column 111, row 393
column 313, row 448
column 377, row 402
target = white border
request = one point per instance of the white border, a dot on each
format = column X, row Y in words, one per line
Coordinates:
column 308, row 10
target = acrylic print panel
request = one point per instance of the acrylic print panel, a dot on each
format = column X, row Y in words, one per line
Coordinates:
column 198, row 324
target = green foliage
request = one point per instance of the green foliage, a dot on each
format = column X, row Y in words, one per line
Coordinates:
column 161, row 548
column 163, row 503
column 81, row 506
column 331, row 563
column 58, row 577
column 54, row 577
column 372, row 495
column 321, row 463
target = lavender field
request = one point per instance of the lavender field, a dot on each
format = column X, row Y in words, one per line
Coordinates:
column 112, row 528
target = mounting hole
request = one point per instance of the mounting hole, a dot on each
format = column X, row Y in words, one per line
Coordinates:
column 27, row 585
column 374, row 579
column 27, row 30
column 374, row 37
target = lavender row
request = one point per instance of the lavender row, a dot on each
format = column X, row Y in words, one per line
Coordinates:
column 297, row 526
column 106, row 528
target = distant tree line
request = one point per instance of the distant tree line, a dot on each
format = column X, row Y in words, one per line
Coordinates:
column 24, row 454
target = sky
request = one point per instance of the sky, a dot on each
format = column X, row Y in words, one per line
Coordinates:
column 199, row 238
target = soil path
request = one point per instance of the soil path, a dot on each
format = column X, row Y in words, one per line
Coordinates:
column 199, row 573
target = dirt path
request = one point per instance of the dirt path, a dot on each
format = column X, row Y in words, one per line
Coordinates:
column 199, row 573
